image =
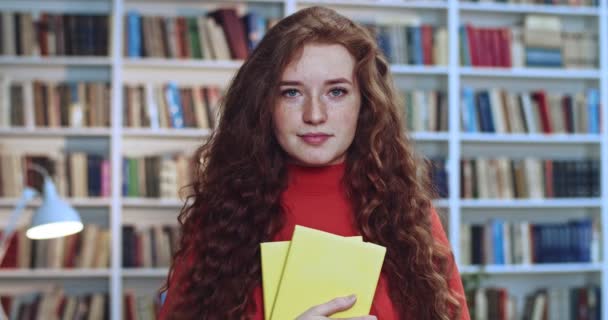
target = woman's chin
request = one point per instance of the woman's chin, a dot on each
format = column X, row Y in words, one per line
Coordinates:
column 316, row 161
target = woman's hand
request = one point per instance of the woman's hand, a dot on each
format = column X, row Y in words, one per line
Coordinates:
column 323, row 311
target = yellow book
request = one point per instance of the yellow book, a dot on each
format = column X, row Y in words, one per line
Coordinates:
column 273, row 260
column 321, row 266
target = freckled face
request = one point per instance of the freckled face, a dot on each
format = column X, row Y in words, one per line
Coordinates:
column 316, row 114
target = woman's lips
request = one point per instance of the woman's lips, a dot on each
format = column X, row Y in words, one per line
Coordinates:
column 315, row 139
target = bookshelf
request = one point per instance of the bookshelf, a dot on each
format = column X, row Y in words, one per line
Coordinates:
column 117, row 141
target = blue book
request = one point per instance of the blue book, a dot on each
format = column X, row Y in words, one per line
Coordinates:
column 174, row 105
column 593, row 108
column 537, row 249
column 468, row 106
column 586, row 226
column 94, row 175
column 498, row 241
column 134, row 27
column 540, row 57
column 485, row 112
column 382, row 38
column 416, row 48
column 255, row 27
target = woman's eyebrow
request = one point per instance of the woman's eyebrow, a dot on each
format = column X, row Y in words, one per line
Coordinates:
column 330, row 81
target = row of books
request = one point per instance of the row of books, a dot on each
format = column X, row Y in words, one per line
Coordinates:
column 411, row 42
column 425, row 110
column 501, row 178
column 48, row 34
column 501, row 111
column 543, row 2
column 557, row 303
column 171, row 106
column 56, row 304
column 502, row 243
column 158, row 176
column 517, row 47
column 220, row 34
column 41, row 103
column 149, row 246
column 141, row 307
column 76, row 174
column 87, row 249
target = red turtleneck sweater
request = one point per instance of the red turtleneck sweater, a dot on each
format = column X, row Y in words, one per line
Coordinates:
column 315, row 198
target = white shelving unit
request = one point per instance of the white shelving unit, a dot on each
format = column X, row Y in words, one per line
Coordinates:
column 453, row 144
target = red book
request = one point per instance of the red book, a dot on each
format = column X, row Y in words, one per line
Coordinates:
column 567, row 110
column 43, row 30
column 6, row 302
column 72, row 249
column 488, row 53
column 181, row 37
column 235, row 32
column 129, row 302
column 505, row 46
column 498, row 58
column 11, row 254
column 472, row 36
column 105, row 178
column 427, row 44
column 502, row 303
column 543, row 110
column 483, row 48
column 549, row 179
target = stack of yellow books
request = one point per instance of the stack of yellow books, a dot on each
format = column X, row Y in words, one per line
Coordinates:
column 315, row 267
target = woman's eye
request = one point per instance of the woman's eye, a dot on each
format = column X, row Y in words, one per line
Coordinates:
column 337, row 92
column 290, row 93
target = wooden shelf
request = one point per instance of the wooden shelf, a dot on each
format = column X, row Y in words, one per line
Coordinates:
column 555, row 73
column 534, row 269
column 585, row 11
column 531, row 138
column 55, row 132
column 55, row 61
column 181, row 64
column 401, row 69
column 145, row 272
column 151, row 203
column 53, row 273
column 532, row 203
column 441, row 5
column 165, row 133
column 430, row 136
column 76, row 202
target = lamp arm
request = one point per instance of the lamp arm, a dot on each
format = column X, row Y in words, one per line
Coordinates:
column 26, row 196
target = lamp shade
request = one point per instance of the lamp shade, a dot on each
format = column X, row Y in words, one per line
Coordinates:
column 54, row 218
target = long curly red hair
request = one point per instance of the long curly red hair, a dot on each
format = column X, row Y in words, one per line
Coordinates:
column 240, row 173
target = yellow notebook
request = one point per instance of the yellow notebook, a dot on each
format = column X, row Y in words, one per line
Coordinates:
column 321, row 266
column 273, row 260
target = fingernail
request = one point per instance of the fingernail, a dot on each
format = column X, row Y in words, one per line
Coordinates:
column 352, row 297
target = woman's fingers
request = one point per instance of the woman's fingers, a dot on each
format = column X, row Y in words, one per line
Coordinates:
column 331, row 307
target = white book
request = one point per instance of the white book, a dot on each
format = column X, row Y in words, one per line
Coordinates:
column 465, row 244
column 526, row 250
column 497, row 113
column 526, row 104
column 481, row 304
column 152, row 107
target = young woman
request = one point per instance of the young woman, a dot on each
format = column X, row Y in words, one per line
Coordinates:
column 310, row 134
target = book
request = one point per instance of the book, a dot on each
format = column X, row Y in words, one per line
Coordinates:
column 321, row 266
column 273, row 255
